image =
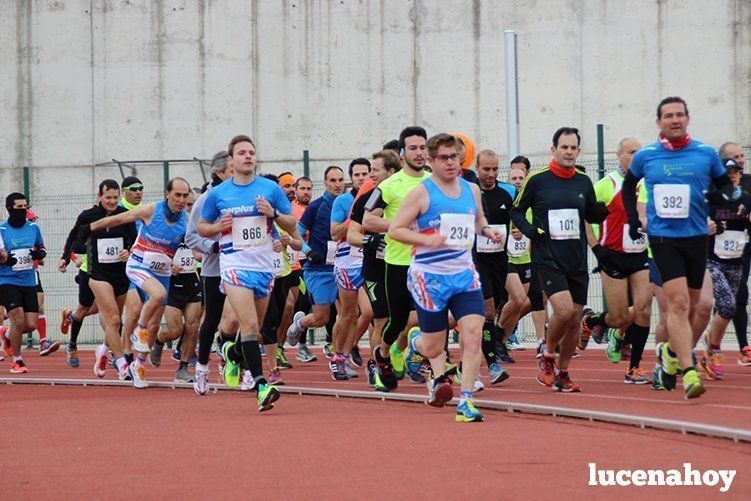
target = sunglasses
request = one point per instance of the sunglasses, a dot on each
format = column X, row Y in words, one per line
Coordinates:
column 134, row 188
column 450, row 156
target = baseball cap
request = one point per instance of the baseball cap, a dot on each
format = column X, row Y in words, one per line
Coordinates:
column 729, row 163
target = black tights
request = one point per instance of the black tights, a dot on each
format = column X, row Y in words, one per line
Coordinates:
column 213, row 306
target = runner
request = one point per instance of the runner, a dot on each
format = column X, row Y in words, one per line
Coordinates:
column 562, row 198
column 106, row 255
column 388, row 197
column 624, row 271
column 348, row 274
column 241, row 209
column 677, row 171
column 385, row 163
column 492, row 264
column 23, row 244
column 442, row 278
column 132, row 197
column 318, row 270
column 149, row 265
column 184, row 308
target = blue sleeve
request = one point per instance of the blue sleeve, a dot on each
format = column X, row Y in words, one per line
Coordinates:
column 38, row 240
column 280, row 201
column 637, row 165
column 716, row 169
column 308, row 218
column 210, row 212
column 339, row 210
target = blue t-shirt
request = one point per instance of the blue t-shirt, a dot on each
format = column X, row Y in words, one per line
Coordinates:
column 20, row 241
column 342, row 205
column 675, row 182
column 317, row 220
column 240, row 201
column 510, row 188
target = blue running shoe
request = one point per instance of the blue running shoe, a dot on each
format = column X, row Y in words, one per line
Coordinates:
column 656, row 379
column 466, row 412
column 497, row 374
column 413, row 360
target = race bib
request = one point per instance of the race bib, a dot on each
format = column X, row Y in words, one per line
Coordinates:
column 185, row 260
column 563, row 224
column 355, row 252
column 486, row 245
column 672, row 201
column 729, row 245
column 293, row 256
column 157, row 263
column 248, row 232
column 278, row 263
column 25, row 262
column 459, row 230
column 517, row 248
column 108, row 250
column 330, row 251
column 633, row 246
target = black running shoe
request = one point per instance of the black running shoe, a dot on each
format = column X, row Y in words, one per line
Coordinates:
column 354, row 356
column 385, row 372
column 502, row 354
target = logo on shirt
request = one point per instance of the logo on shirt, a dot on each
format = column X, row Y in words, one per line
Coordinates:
column 503, row 206
column 581, row 196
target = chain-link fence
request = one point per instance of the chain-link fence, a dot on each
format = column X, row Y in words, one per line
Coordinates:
column 58, row 213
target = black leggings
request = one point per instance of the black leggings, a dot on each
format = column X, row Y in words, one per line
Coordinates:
column 740, row 320
column 213, row 304
column 399, row 302
column 275, row 310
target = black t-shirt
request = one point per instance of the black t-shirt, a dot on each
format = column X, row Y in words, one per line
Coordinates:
column 496, row 204
column 373, row 268
column 128, row 233
column 469, row 176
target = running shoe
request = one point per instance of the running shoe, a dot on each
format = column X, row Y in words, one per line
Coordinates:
column 351, row 373
column 19, row 367
column 451, row 369
column 155, row 355
column 328, row 350
column 267, row 395
column 385, row 378
column 183, row 376
column 123, row 373
column 440, row 391
column 626, row 352
column 668, row 367
column 333, row 368
column 540, row 348
column 744, row 360
column 354, row 355
column 100, row 364
column 249, row 382
column 71, row 357
column 497, row 374
column 502, row 354
column 67, row 319
column 293, row 331
column 201, row 383
column 371, row 371
column 584, row 334
column 563, row 383
column 514, row 346
column 466, row 412
column 341, row 373
column 304, row 355
column 479, row 385
column 415, row 377
column 615, row 343
column 712, row 361
column 138, row 372
column 656, row 385
column 637, row 376
column 397, row 360
column 597, row 333
column 692, row 384
column 231, row 371
column 140, row 340
column 177, row 356
column 281, row 359
column 275, row 377
column 412, row 358
column 46, row 347
column 546, row 370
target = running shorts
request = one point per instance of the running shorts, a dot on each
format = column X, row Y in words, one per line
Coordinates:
column 523, row 270
column 621, row 265
column 19, row 296
column 553, row 281
column 184, row 288
column 349, row 279
column 493, row 280
column 436, row 295
column 260, row 282
column 680, row 257
column 85, row 294
column 377, row 295
column 321, row 286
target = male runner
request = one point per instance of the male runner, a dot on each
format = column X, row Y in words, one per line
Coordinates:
column 677, row 171
column 442, row 278
column 562, row 199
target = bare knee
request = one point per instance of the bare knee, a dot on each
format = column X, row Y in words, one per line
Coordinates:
column 642, row 312
column 679, row 305
column 620, row 320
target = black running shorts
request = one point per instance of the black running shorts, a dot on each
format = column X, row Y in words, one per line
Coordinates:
column 621, row 265
column 553, row 281
column 493, row 282
column 183, row 289
column 680, row 257
column 377, row 295
column 19, row 296
column 523, row 270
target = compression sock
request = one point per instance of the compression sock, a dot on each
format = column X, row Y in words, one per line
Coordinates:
column 330, row 324
column 637, row 334
column 42, row 326
column 488, row 344
column 252, row 355
column 75, row 329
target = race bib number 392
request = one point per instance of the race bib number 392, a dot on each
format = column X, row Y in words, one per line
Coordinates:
column 672, row 201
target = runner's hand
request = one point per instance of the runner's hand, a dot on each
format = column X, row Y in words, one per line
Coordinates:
column 10, row 260
column 516, row 234
column 62, row 266
column 284, row 238
column 634, row 229
column 225, row 223
column 264, row 207
column 124, row 255
column 494, row 235
column 539, row 235
column 77, row 261
column 434, row 240
column 277, row 246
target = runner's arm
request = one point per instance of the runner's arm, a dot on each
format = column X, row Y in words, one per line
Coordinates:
column 354, row 234
column 372, row 221
column 519, row 213
column 142, row 212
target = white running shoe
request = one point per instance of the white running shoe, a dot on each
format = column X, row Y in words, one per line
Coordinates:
column 249, row 381
column 100, row 364
column 140, row 340
column 293, row 331
column 201, row 382
column 138, row 371
column 123, row 373
column 479, row 385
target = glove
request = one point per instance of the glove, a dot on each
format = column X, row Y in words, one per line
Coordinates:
column 634, row 225
column 38, row 254
column 10, row 261
column 84, row 232
column 720, row 227
column 374, row 243
column 603, row 257
column 715, row 197
column 215, row 248
column 599, row 212
column 539, row 235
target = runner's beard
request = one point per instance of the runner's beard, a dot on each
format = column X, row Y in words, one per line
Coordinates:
column 413, row 166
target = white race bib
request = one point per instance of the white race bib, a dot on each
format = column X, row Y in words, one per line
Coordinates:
column 729, row 245
column 563, row 224
column 157, row 263
column 248, row 231
column 355, row 252
column 185, row 260
column 25, row 262
column 633, row 246
column 672, row 201
column 278, row 265
column 108, row 250
column 330, row 251
column 486, row 245
column 517, row 248
column 293, row 256
column 459, row 230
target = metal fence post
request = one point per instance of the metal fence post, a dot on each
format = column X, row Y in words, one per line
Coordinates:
column 306, row 163
column 600, row 151
column 165, row 169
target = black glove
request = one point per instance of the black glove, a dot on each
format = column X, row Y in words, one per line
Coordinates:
column 10, row 261
column 84, row 232
column 374, row 243
column 38, row 254
column 539, row 235
column 720, row 227
column 634, row 225
column 215, row 248
column 716, row 197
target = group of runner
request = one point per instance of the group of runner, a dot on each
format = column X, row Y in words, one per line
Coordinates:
column 418, row 246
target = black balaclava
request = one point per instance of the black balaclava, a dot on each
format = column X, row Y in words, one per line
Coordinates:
column 16, row 217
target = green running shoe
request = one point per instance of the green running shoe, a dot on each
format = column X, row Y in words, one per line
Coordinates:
column 668, row 367
column 692, row 384
column 267, row 395
column 231, row 372
column 397, row 361
column 656, row 385
column 615, row 344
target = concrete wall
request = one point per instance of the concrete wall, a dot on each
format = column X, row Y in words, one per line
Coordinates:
column 87, row 81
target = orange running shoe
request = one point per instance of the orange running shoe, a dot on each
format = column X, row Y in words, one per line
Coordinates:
column 19, row 368
column 745, row 359
column 66, row 320
column 563, row 383
column 6, row 342
column 546, row 370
